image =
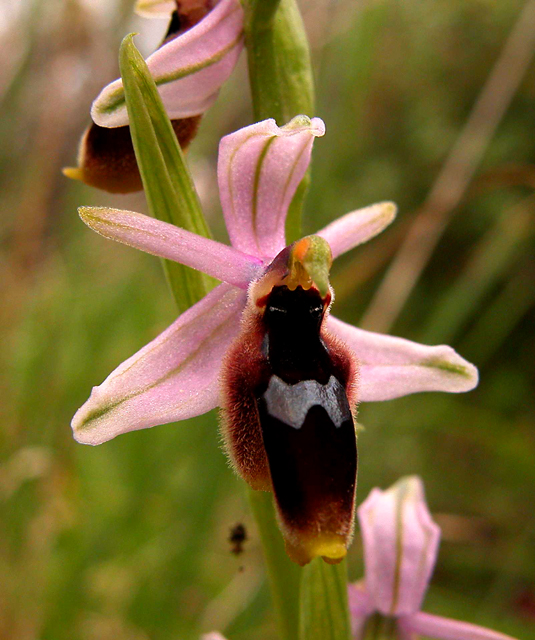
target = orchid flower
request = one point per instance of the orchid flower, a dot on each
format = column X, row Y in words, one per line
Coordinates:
column 199, row 52
column 188, row 69
column 400, row 549
column 263, row 346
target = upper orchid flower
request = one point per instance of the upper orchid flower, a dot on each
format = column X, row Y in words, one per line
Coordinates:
column 188, row 68
column 263, row 346
column 400, row 548
column 198, row 54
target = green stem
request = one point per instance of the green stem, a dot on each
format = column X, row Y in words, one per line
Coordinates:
column 380, row 628
column 283, row 574
column 324, row 611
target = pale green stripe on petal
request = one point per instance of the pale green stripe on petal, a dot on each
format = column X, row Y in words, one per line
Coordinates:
column 400, row 546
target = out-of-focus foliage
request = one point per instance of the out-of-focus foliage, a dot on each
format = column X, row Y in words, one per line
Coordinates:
column 129, row 541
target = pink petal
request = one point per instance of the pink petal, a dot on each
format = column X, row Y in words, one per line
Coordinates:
column 404, row 633
column 426, row 624
column 400, row 546
column 188, row 70
column 168, row 241
column 360, row 608
column 212, row 636
column 392, row 367
column 358, row 227
column 259, row 169
column 174, row 377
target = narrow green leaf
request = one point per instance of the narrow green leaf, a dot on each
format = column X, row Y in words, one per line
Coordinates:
column 283, row 574
column 280, row 74
column 324, row 613
column 168, row 186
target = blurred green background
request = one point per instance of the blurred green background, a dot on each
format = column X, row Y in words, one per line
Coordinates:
column 129, row 540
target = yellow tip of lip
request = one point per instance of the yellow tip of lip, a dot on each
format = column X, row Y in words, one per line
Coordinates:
column 331, row 548
column 75, row 173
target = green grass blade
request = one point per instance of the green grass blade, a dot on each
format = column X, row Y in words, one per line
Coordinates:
column 169, row 189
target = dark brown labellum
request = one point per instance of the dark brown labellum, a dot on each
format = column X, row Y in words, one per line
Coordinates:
column 296, row 392
column 107, row 159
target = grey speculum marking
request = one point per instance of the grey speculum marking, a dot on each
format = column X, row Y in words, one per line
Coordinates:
column 290, row 403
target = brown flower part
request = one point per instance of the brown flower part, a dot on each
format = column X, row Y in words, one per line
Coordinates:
column 289, row 390
column 187, row 14
column 106, row 157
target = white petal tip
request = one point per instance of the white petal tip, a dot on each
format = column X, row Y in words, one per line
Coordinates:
column 155, row 8
column 389, row 210
column 109, row 108
column 315, row 126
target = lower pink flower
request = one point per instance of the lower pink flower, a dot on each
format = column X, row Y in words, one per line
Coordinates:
column 400, row 549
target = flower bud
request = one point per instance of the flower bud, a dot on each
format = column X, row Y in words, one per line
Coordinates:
column 400, row 546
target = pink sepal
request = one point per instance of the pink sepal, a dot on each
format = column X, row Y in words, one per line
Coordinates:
column 393, row 367
column 431, row 626
column 188, row 70
column 400, row 546
column 168, row 241
column 358, row 227
column 174, row 377
column 259, row 169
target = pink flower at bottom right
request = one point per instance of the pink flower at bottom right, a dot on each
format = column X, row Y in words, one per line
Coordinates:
column 401, row 543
